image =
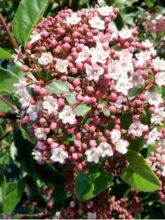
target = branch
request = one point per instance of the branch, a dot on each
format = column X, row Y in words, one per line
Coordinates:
column 11, row 37
column 8, row 103
column 8, row 115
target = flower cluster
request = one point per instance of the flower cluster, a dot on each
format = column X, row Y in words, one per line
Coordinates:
column 96, row 74
column 156, row 24
column 157, row 161
column 111, row 208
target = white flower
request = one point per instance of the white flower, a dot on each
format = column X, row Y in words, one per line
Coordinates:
column 32, row 112
column 137, row 128
column 142, row 57
column 158, row 115
column 126, row 33
column 67, row 115
column 101, row 2
column 154, row 98
column 147, row 43
column 137, row 79
column 160, row 78
column 21, row 86
column 37, row 155
column 99, row 55
column 125, row 61
column 83, row 55
column 59, row 155
column 35, row 37
column 45, row 58
column 115, row 136
column 119, row 101
column 115, row 71
column 122, row 146
column 105, row 11
column 105, row 149
column 50, row 104
column 97, row 23
column 94, row 72
column 72, row 204
column 39, row 145
column 40, row 134
column 93, row 155
column 158, row 63
column 25, row 101
column 73, row 19
column 91, row 215
column 152, row 136
column 61, row 65
column 123, row 85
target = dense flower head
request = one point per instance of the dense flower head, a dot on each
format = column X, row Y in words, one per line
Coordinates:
column 96, row 74
column 157, row 160
column 157, row 24
column 112, row 208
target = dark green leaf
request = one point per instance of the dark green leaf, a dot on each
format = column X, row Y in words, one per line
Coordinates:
column 136, row 144
column 46, row 172
column 139, row 174
column 26, row 135
column 27, row 16
column 91, row 184
column 126, row 120
column 10, row 195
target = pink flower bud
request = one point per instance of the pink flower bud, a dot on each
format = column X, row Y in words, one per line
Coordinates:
column 92, row 143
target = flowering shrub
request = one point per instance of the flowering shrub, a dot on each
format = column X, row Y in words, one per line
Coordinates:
column 91, row 112
column 96, row 73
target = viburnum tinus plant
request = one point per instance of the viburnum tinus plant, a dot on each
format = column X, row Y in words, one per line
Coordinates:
column 96, row 75
column 92, row 109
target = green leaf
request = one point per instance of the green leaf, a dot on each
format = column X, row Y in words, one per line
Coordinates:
column 10, row 195
column 4, row 107
column 149, row 3
column 139, row 174
column 82, row 109
column 7, row 79
column 61, row 87
column 91, row 184
column 133, row 92
column 121, row 4
column 4, row 54
column 126, row 120
column 58, row 87
column 160, row 90
column 27, row 16
column 26, row 135
column 136, row 144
